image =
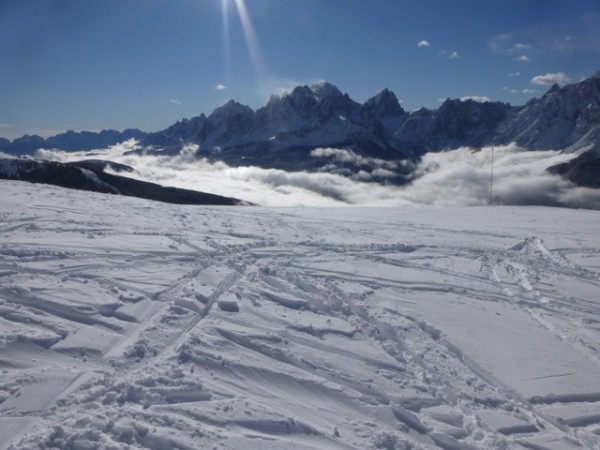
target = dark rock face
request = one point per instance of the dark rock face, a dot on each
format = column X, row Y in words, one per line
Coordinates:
column 583, row 170
column 456, row 123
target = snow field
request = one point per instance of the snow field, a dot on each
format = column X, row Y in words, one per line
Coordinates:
column 130, row 324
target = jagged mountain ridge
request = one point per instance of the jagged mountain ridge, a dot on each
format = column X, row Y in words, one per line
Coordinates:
column 284, row 132
column 564, row 118
column 307, row 118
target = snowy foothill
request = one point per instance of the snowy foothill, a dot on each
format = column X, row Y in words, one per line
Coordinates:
column 131, row 324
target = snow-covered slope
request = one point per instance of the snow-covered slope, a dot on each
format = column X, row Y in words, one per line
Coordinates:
column 124, row 324
column 90, row 175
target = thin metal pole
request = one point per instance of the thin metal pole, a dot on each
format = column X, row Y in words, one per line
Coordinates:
column 492, row 179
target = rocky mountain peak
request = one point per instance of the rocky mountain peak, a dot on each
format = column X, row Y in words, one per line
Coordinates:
column 325, row 90
column 229, row 109
column 302, row 97
column 384, row 104
column 554, row 88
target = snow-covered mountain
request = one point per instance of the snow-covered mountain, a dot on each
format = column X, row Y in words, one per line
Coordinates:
column 322, row 116
column 564, row 118
column 284, row 133
column 135, row 325
column 454, row 124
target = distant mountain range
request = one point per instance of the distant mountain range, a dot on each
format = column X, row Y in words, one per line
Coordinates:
column 69, row 141
column 285, row 133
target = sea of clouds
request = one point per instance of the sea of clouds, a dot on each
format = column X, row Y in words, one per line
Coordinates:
column 451, row 178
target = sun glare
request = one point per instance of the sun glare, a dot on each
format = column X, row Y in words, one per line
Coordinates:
column 256, row 55
column 226, row 39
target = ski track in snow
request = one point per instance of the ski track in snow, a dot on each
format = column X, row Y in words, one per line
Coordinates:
column 130, row 324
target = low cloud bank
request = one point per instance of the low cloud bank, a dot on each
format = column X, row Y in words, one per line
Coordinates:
column 453, row 178
column 359, row 168
column 460, row 177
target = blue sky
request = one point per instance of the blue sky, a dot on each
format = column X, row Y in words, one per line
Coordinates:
column 94, row 64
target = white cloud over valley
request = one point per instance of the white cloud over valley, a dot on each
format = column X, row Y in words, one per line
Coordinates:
column 452, row 178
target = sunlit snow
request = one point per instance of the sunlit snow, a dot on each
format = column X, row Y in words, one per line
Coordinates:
column 133, row 324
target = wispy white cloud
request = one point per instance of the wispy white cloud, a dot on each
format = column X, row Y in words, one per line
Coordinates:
column 576, row 35
column 551, row 78
column 450, row 55
column 475, row 98
column 500, row 44
column 175, row 101
column 282, row 86
column 514, row 74
column 423, row 43
column 6, row 126
column 508, row 44
column 220, row 87
column 520, row 47
column 519, row 91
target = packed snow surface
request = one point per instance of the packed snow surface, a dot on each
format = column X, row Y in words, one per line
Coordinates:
column 129, row 324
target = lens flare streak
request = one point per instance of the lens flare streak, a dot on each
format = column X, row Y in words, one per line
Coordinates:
column 226, row 39
column 256, row 54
